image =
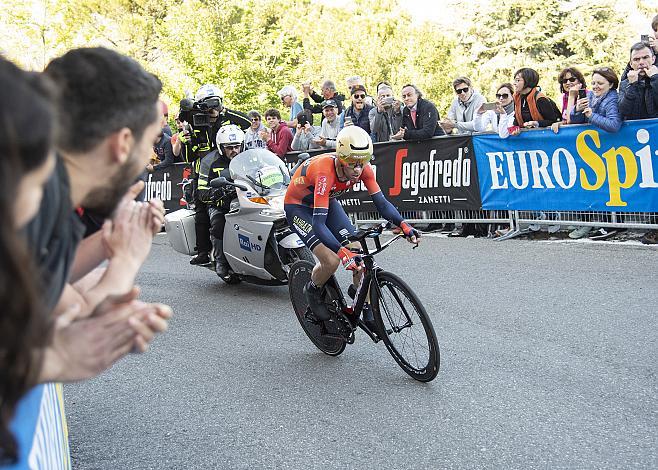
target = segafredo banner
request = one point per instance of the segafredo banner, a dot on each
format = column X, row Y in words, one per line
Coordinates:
column 433, row 174
column 581, row 168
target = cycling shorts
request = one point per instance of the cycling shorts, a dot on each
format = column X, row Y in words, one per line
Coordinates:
column 300, row 219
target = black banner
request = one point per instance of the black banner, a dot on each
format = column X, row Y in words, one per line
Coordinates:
column 433, row 175
column 165, row 184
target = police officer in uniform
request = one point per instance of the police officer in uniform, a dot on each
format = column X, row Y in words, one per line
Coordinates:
column 202, row 140
column 230, row 142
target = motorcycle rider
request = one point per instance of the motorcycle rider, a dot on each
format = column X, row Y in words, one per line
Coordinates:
column 230, row 142
column 320, row 221
column 199, row 143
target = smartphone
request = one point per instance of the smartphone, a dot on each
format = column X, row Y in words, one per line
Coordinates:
column 489, row 106
column 582, row 94
column 644, row 38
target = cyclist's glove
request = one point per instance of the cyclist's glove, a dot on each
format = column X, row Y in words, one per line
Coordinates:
column 351, row 261
column 408, row 230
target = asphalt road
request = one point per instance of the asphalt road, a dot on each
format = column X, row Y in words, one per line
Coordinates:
column 549, row 360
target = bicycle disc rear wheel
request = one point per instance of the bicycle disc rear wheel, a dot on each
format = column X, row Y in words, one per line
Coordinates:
column 405, row 327
column 300, row 274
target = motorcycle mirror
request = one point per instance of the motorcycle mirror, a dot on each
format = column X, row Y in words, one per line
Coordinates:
column 218, row 182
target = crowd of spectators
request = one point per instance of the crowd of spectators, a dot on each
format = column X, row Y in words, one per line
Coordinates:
column 65, row 317
column 601, row 99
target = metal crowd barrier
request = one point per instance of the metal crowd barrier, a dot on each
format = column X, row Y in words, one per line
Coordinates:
column 519, row 221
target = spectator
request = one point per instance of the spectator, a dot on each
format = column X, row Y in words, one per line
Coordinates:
column 386, row 117
column 25, row 166
column 652, row 40
column 165, row 115
column 570, row 79
column 599, row 108
column 463, row 108
column 328, row 93
column 162, row 146
column 501, row 118
column 532, row 109
column 252, row 138
column 358, row 112
column 358, row 81
column 330, row 125
column 307, row 134
column 288, row 96
column 419, row 116
column 638, row 94
column 277, row 136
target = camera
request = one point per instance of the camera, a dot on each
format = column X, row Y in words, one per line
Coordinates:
column 388, row 102
column 198, row 112
column 302, row 120
column 644, row 38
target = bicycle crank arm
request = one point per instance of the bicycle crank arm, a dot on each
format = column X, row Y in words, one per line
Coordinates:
column 373, row 336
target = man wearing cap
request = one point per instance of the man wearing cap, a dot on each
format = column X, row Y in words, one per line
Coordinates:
column 330, row 125
column 358, row 111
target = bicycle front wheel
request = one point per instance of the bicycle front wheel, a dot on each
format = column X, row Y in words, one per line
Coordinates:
column 405, row 327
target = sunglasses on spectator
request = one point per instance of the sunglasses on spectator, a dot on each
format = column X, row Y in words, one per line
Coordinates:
column 503, row 96
column 359, row 96
column 459, row 91
column 256, row 119
column 570, row 80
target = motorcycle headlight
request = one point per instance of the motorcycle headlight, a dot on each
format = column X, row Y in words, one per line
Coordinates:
column 275, row 208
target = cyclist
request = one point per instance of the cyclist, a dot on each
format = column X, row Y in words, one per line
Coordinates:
column 319, row 219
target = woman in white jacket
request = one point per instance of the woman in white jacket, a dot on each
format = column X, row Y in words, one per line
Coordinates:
column 502, row 117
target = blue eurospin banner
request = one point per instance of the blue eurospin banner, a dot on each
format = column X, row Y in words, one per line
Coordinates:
column 582, row 168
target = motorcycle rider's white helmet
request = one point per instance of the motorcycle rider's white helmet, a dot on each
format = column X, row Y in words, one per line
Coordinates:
column 208, row 91
column 229, row 135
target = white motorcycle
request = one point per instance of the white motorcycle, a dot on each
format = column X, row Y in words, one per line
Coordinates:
column 258, row 244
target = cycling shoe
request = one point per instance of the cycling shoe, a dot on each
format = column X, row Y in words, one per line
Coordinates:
column 316, row 302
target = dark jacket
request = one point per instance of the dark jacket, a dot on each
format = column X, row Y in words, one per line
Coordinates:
column 639, row 100
column 164, row 152
column 317, row 108
column 212, row 166
column 363, row 121
column 427, row 121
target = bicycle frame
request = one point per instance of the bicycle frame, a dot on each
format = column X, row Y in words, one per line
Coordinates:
column 368, row 281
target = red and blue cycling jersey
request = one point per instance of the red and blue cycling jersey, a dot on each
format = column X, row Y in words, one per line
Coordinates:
column 311, row 207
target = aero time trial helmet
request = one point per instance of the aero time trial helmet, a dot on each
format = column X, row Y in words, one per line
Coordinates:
column 353, row 145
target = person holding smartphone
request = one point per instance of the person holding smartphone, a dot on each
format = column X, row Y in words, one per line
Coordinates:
column 499, row 118
column 600, row 106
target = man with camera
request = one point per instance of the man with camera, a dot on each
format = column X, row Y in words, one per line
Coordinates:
column 386, row 117
column 202, row 118
column 307, row 134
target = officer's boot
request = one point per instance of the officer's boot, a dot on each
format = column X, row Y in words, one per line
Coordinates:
column 221, row 263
